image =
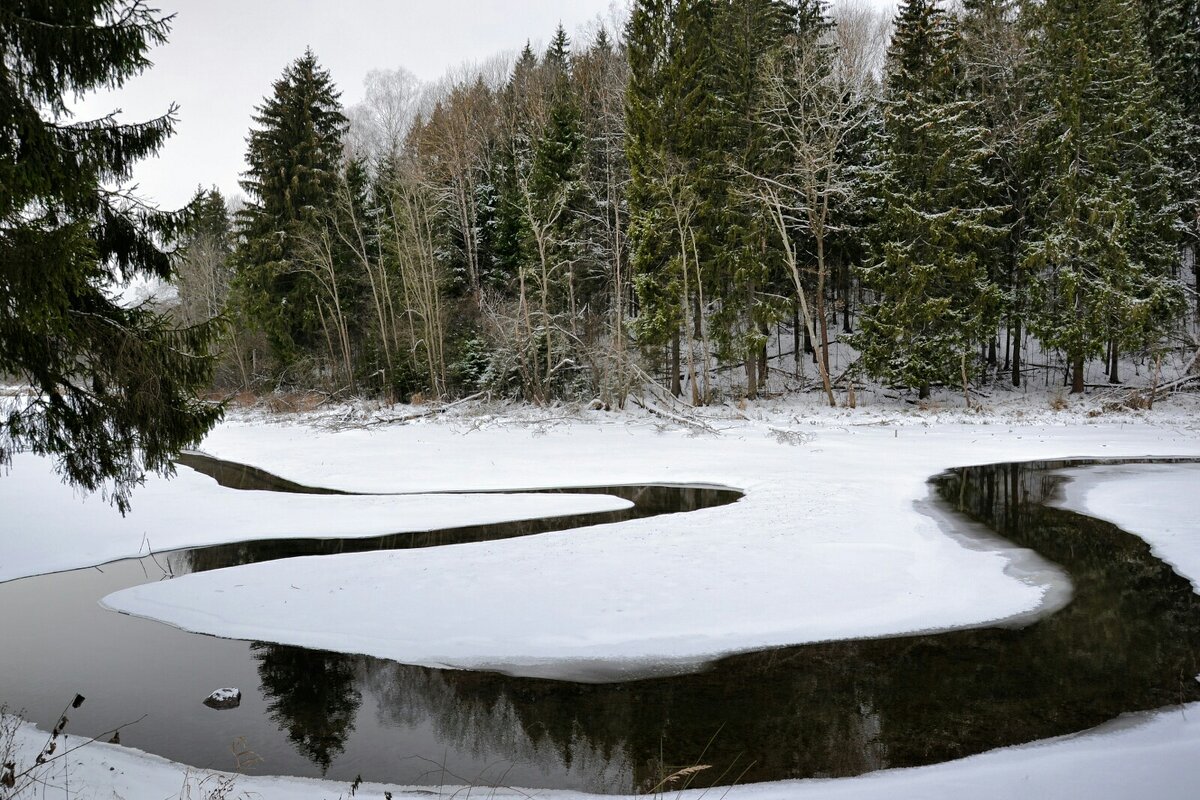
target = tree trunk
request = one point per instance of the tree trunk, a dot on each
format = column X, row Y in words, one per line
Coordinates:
column 796, row 337
column 751, row 374
column 1196, row 272
column 1077, row 374
column 676, row 387
column 1008, row 346
column 763, row 366
column 844, row 267
column 1114, row 375
column 1016, row 353
column 923, row 391
column 824, row 344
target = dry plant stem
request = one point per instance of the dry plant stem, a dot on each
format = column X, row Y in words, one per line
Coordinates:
column 27, row 777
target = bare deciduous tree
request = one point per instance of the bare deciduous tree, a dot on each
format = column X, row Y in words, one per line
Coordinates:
column 380, row 122
column 815, row 100
column 409, row 239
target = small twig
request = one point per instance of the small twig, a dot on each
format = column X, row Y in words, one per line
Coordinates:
column 150, row 551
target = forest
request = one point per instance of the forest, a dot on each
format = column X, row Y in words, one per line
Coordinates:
column 712, row 192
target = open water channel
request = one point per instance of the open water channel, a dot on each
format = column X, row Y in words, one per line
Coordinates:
column 1128, row 640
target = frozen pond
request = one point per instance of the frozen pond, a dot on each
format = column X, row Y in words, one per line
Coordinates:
column 1129, row 640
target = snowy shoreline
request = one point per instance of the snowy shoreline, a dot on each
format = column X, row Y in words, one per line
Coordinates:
column 825, row 464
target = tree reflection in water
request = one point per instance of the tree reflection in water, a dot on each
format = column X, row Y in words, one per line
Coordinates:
column 1129, row 640
column 312, row 697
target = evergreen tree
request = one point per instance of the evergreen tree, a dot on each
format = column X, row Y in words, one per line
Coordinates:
column 556, row 190
column 511, row 236
column 294, row 155
column 203, row 270
column 672, row 139
column 558, row 54
column 1103, row 216
column 744, row 264
column 649, row 33
column 932, row 299
column 993, row 55
column 112, row 386
column 1172, row 29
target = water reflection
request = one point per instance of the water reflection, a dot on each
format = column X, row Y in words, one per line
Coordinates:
column 312, row 697
column 1129, row 640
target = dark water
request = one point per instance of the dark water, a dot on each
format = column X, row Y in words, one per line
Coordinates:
column 1129, row 640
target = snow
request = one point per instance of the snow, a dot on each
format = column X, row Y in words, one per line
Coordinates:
column 829, row 542
column 224, row 699
column 834, row 538
column 48, row 527
column 1133, row 757
column 1160, row 502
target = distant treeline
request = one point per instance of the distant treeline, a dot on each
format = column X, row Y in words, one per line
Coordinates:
column 934, row 191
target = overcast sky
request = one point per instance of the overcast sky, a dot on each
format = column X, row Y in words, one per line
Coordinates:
column 224, row 54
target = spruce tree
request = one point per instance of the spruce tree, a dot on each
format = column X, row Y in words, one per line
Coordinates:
column 1103, row 214
column 203, row 270
column 992, row 57
column 558, row 54
column 1172, row 29
column 112, row 388
column 556, row 186
column 671, row 145
column 510, row 228
column 294, row 155
column 932, row 301
column 745, row 266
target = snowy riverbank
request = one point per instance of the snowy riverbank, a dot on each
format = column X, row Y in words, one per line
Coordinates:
column 833, row 539
column 830, row 541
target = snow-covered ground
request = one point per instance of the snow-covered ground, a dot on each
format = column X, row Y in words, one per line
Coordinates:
column 49, row 527
column 822, row 546
column 1144, row 756
column 829, row 542
column 834, row 539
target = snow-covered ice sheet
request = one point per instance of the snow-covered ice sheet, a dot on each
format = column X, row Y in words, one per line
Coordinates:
column 1150, row 755
column 829, row 542
column 46, row 526
column 1161, row 502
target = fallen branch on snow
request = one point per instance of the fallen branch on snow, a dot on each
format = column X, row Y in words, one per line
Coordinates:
column 428, row 412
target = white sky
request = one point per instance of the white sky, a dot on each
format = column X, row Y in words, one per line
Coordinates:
column 224, row 54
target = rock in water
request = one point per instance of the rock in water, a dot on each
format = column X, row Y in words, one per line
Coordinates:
column 224, row 698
